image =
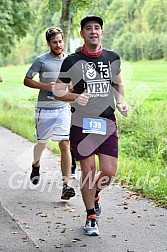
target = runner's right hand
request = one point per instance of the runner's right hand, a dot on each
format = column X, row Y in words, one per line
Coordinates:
column 82, row 99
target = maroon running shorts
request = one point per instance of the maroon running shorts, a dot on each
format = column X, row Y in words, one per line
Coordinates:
column 87, row 144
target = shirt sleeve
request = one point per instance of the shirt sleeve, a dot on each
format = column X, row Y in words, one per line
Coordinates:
column 34, row 69
column 116, row 64
column 64, row 74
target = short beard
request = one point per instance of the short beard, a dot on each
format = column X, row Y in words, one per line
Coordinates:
column 56, row 54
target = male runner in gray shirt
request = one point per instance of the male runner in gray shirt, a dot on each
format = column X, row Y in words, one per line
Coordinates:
column 53, row 117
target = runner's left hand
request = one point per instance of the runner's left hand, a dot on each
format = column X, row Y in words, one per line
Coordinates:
column 123, row 109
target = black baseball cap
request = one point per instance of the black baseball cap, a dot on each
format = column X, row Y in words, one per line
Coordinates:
column 89, row 18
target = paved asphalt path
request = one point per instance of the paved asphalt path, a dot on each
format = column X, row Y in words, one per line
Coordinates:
column 34, row 218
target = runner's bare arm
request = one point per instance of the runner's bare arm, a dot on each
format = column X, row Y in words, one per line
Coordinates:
column 118, row 89
column 38, row 85
column 61, row 92
column 119, row 95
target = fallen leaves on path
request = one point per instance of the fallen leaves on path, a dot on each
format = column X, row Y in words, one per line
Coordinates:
column 24, row 238
column 63, row 230
column 123, row 204
column 41, row 214
column 75, row 240
column 69, row 209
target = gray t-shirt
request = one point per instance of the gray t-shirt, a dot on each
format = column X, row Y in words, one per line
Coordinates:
column 48, row 69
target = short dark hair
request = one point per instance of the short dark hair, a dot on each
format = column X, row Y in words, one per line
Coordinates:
column 89, row 18
column 52, row 32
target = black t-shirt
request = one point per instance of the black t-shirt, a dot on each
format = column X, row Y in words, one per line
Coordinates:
column 94, row 76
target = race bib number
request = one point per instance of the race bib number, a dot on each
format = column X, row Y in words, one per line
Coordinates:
column 96, row 126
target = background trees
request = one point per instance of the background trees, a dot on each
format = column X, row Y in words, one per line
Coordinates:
column 137, row 29
column 15, row 21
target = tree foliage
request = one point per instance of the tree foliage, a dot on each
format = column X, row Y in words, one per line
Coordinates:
column 15, row 20
column 137, row 29
column 69, row 9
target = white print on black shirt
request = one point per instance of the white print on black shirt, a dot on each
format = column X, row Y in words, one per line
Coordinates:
column 98, row 82
column 90, row 70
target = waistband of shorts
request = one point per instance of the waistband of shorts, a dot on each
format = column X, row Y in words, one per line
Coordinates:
column 53, row 109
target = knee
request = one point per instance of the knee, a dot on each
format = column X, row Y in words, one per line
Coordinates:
column 105, row 179
column 64, row 145
column 110, row 174
column 88, row 172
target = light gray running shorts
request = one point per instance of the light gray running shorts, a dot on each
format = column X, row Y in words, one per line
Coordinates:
column 52, row 124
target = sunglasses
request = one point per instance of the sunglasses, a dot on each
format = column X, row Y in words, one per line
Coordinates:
column 51, row 30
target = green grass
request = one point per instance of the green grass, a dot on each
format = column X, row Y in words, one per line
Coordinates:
column 143, row 135
column 17, row 102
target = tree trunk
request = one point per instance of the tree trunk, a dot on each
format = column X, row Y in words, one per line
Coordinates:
column 66, row 21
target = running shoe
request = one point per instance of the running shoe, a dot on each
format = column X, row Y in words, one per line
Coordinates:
column 97, row 207
column 35, row 175
column 91, row 226
column 67, row 192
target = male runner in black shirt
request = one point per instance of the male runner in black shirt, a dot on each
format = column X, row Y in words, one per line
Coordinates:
column 97, row 91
